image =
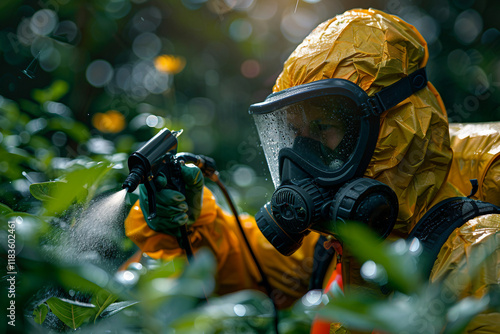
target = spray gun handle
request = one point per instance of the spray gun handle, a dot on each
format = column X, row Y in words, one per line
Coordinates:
column 177, row 182
column 151, row 189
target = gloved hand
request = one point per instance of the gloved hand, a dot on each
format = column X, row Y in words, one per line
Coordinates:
column 173, row 209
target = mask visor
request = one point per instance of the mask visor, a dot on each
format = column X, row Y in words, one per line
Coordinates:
column 320, row 134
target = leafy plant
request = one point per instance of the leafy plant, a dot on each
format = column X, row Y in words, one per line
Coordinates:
column 80, row 186
column 40, row 313
column 415, row 304
column 72, row 313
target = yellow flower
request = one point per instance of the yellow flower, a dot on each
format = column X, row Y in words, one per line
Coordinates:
column 112, row 121
column 170, row 64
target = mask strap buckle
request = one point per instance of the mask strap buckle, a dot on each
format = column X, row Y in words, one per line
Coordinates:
column 397, row 92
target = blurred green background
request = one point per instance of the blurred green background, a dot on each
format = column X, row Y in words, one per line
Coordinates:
column 97, row 78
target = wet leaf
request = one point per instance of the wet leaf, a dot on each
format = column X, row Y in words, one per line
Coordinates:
column 44, row 191
column 77, row 186
column 102, row 300
column 40, row 313
column 117, row 307
column 72, row 313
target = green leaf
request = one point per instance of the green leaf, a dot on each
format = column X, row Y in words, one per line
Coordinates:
column 14, row 158
column 4, row 209
column 365, row 245
column 116, row 307
column 40, row 313
column 77, row 186
column 52, row 93
column 102, row 299
column 44, row 191
column 248, row 309
column 72, row 313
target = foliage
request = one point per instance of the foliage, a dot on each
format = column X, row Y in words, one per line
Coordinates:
column 415, row 305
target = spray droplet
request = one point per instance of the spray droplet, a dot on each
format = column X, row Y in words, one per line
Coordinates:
column 94, row 237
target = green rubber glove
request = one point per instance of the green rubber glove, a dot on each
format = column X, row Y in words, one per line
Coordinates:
column 173, row 209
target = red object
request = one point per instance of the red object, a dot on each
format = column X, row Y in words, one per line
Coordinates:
column 321, row 326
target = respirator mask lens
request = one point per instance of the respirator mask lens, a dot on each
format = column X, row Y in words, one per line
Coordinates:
column 319, row 138
column 323, row 131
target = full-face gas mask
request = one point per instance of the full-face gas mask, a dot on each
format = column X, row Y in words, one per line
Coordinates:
column 318, row 139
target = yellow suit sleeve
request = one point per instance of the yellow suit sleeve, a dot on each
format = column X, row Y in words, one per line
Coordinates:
column 476, row 243
column 218, row 231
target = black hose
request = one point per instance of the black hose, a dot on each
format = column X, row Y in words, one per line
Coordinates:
column 185, row 243
column 207, row 165
column 265, row 281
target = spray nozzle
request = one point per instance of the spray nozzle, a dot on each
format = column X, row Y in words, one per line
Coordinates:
column 145, row 164
column 134, row 179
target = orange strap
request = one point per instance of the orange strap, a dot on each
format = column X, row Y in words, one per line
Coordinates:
column 321, row 326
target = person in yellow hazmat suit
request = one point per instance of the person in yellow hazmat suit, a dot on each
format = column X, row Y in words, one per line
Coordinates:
column 352, row 131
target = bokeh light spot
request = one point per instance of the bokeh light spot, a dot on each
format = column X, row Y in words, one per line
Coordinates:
column 146, row 46
column 311, row 298
column 250, row 68
column 59, row 138
column 43, row 22
column 240, row 30
column 240, row 310
column 24, row 32
column 111, row 121
column 152, row 121
column 490, row 36
column 429, row 28
column 170, row 64
column 468, row 26
column 156, row 82
column 369, row 270
column 57, row 108
column 50, row 60
column 243, row 176
column 127, row 277
column 99, row 73
column 100, row 146
column 67, row 31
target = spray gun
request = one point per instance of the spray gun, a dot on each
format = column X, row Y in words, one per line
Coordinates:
column 159, row 154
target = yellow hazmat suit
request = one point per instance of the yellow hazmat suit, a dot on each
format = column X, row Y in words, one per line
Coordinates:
column 413, row 156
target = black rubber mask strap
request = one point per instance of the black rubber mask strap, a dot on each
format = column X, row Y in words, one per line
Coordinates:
column 392, row 95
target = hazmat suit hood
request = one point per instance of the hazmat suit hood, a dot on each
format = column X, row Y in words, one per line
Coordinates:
column 374, row 50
